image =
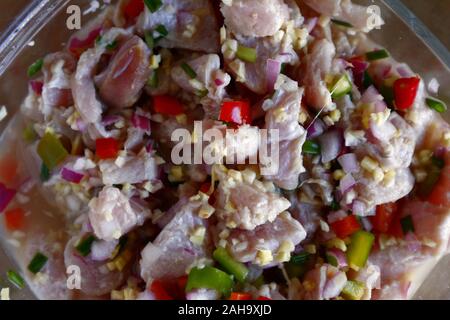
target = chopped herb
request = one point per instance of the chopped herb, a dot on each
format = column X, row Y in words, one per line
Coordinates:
column 45, row 173
column 37, row 263
column 438, row 162
column 342, row 23
column 85, row 245
column 149, row 40
column 388, row 94
column 16, row 279
column 331, row 259
column 300, row 258
column 153, row 5
column 311, row 147
column 407, row 224
column 283, row 67
column 246, row 54
column 189, row 71
column 162, row 31
column 112, row 45
column 153, row 81
column 35, row 68
column 98, row 40
column 377, row 55
column 335, row 206
column 367, row 80
column 436, row 105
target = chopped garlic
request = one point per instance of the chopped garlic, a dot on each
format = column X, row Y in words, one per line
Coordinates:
column 425, row 156
column 310, row 248
column 335, row 115
column 378, row 175
column 181, row 119
column 369, row 164
column 155, row 60
column 446, row 139
column 336, row 243
column 324, row 226
column 228, row 2
column 198, row 235
column 389, row 178
column 4, row 294
column 3, row 113
column 239, row 68
column 206, row 211
column 324, row 21
column 338, row 174
column 176, row 174
column 223, row 34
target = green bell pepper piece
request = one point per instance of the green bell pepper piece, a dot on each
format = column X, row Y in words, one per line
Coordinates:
column 237, row 269
column 210, row 278
column 353, row 290
column 359, row 249
column 51, row 151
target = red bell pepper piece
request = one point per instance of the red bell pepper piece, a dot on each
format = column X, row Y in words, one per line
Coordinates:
column 395, row 229
column 37, row 86
column 346, row 227
column 205, row 187
column 263, row 298
column 383, row 217
column 237, row 112
column 14, row 219
column 160, row 292
column 167, row 105
column 107, row 148
column 240, row 296
column 405, row 91
column 133, row 9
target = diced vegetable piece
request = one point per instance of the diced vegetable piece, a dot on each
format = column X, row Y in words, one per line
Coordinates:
column 51, row 150
column 45, row 173
column 342, row 23
column 112, row 45
column 367, row 80
column 346, row 227
column 14, row 219
column 341, row 87
column 237, row 112
column 71, row 176
column 37, row 86
column 37, row 263
column 153, row 5
column 35, row 68
column 388, row 94
column 432, row 179
column 16, row 279
column 210, row 278
column 133, row 9
column 407, row 224
column 189, row 71
column 377, row 55
column 359, row 249
column 240, row 296
column 246, row 54
column 106, row 148
column 162, row 31
column 160, row 292
column 6, row 195
column 436, row 105
column 300, row 258
column 405, row 91
column 383, row 217
column 311, row 147
column 237, row 269
column 28, row 134
column 353, row 290
column 85, row 245
column 153, row 81
column 295, row 270
column 167, row 105
column 8, row 168
column 149, row 39
column 262, row 298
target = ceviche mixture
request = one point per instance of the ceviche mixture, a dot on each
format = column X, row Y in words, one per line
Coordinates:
column 358, row 209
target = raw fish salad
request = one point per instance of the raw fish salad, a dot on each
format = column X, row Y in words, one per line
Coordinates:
column 358, row 207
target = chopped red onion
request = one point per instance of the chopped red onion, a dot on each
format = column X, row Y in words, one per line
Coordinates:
column 141, row 122
column 359, row 208
column 359, row 66
column 316, row 128
column 371, row 95
column 384, row 132
column 347, row 183
column 336, row 216
column 71, row 176
column 331, row 143
column 366, row 224
column 273, row 69
column 311, row 23
column 349, row 163
column 103, row 250
column 404, row 71
column 37, row 86
column 109, row 120
column 340, row 257
column 218, row 82
column 6, row 195
column 81, row 125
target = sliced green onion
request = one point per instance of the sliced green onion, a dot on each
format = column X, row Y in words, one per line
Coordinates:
column 388, row 94
column 85, row 245
column 300, row 258
column 51, row 150
column 202, row 93
column 246, row 54
column 28, row 134
column 210, row 278
column 361, row 243
column 149, row 39
column 331, row 259
column 341, row 87
column 162, row 31
column 188, row 70
column 37, row 263
column 377, row 55
column 353, row 290
column 407, row 224
column 342, row 23
column 16, row 279
column 367, row 80
column 35, row 68
column 153, row 81
column 295, row 270
column 45, row 173
column 237, row 269
column 112, row 45
column 153, row 5
column 335, row 206
column 436, row 105
column 311, row 147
